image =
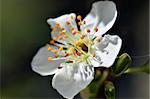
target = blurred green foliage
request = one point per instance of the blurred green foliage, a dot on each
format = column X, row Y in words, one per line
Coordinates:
column 24, row 31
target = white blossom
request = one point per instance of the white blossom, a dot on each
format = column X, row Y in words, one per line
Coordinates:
column 73, row 53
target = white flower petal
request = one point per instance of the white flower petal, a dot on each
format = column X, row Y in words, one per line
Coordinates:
column 108, row 49
column 94, row 62
column 62, row 22
column 41, row 65
column 102, row 15
column 71, row 79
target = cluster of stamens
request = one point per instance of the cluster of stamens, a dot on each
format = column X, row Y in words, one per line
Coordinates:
column 77, row 47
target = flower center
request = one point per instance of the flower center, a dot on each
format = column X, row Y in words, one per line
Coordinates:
column 77, row 44
column 83, row 47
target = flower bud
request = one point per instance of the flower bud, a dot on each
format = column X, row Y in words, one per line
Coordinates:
column 109, row 90
column 121, row 64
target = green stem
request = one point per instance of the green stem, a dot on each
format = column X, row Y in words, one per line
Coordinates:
column 100, row 82
column 103, row 78
column 144, row 69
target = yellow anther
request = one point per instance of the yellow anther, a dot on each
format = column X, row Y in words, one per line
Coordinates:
column 68, row 23
column 60, row 37
column 67, row 54
column 52, row 42
column 88, row 30
column 95, row 29
column 84, row 22
column 50, row 59
column 78, row 53
column 79, row 17
column 71, row 17
column 54, row 51
column 62, row 29
column 77, row 43
column 60, row 33
column 72, row 28
column 98, row 39
column 60, row 49
column 94, row 55
column 82, row 36
column 74, row 32
column 57, row 25
column 53, row 30
column 65, row 36
column 49, row 48
column 54, row 38
column 56, row 55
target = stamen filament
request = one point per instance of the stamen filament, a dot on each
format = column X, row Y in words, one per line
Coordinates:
column 69, row 37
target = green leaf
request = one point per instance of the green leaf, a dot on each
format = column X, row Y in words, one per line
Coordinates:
column 109, row 90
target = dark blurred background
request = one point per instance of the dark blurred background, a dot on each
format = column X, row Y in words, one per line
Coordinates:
column 24, row 30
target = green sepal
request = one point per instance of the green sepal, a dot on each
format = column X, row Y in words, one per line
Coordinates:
column 121, row 64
